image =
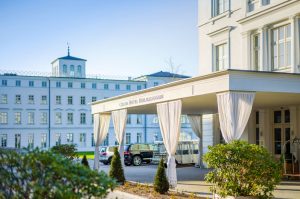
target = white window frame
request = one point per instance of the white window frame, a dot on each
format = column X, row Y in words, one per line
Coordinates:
column 70, row 137
column 58, row 118
column 30, row 118
column 44, row 118
column 43, row 140
column 82, row 118
column 18, row 117
column 82, row 100
column 70, row 100
column 4, row 99
column 57, row 99
column 18, row 140
column 218, row 58
column 18, row 99
column 70, row 118
column 30, row 140
column 128, row 138
column 283, row 41
column 57, row 139
column 3, row 117
column 44, row 99
column 3, row 138
column 257, row 49
column 30, row 99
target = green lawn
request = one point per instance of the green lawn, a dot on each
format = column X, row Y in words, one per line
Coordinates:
column 89, row 154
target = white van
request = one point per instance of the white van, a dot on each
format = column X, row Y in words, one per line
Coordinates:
column 186, row 152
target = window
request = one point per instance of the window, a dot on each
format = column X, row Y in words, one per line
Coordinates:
column 82, row 138
column 43, row 140
column 57, row 139
column 3, row 138
column 138, row 137
column 44, row 117
column 82, row 100
column 18, row 83
column 256, row 51
column 139, row 87
column 82, row 85
column 31, row 83
column 17, row 141
column 44, row 84
column 30, row 117
column 70, row 85
column 17, row 117
column 94, row 99
column 139, row 119
column 155, row 84
column 30, row 141
column 58, row 84
column 3, row 118
column 155, row 137
column 117, row 86
column 44, row 99
column 281, row 47
column 58, row 118
column 72, row 73
column 82, row 118
column 70, row 118
column 128, row 138
column 65, row 70
column 128, row 121
column 18, row 99
column 70, row 137
column 70, row 100
column 219, row 7
column 4, row 82
column 221, row 57
column 128, row 87
column 94, row 85
column 105, row 86
column 183, row 119
column 253, row 5
column 58, row 99
column 4, row 99
column 92, row 119
column 79, row 69
column 30, row 99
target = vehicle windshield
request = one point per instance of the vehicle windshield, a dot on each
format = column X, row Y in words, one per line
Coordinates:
column 103, row 149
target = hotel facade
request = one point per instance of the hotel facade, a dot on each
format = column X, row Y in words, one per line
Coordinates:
column 248, row 85
column 43, row 111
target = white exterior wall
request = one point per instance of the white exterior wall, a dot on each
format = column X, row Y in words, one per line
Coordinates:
column 236, row 27
column 148, row 128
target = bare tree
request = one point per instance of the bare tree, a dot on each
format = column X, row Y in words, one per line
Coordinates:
column 172, row 67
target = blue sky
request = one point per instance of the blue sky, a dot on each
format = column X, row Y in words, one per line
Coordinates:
column 117, row 37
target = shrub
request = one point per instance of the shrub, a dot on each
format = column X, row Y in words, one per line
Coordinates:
column 161, row 184
column 242, row 169
column 85, row 162
column 116, row 170
column 66, row 150
column 43, row 174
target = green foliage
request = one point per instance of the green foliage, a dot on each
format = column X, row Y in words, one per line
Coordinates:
column 85, row 162
column 116, row 170
column 161, row 184
column 66, row 150
column 242, row 169
column 43, row 174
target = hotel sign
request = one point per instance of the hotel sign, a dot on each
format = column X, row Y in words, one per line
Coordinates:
column 141, row 100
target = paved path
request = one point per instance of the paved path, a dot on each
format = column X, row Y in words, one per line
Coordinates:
column 191, row 180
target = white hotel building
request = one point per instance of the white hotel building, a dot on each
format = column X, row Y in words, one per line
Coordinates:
column 249, row 47
column 43, row 111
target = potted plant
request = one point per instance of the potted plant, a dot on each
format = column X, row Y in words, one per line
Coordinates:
column 242, row 170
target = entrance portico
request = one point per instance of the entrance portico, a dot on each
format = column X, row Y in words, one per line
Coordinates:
column 198, row 95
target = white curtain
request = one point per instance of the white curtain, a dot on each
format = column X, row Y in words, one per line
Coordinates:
column 169, row 121
column 101, row 126
column 196, row 124
column 234, row 111
column 119, row 118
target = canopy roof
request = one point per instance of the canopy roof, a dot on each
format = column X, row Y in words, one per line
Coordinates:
column 198, row 94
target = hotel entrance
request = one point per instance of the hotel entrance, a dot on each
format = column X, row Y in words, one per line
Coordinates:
column 281, row 132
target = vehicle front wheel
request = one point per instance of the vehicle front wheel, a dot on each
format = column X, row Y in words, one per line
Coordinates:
column 137, row 160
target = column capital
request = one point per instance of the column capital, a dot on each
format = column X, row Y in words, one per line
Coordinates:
column 294, row 16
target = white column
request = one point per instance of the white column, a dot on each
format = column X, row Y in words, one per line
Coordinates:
column 263, row 49
column 246, row 51
column 234, row 111
column 295, row 44
column 119, row 118
column 169, row 121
